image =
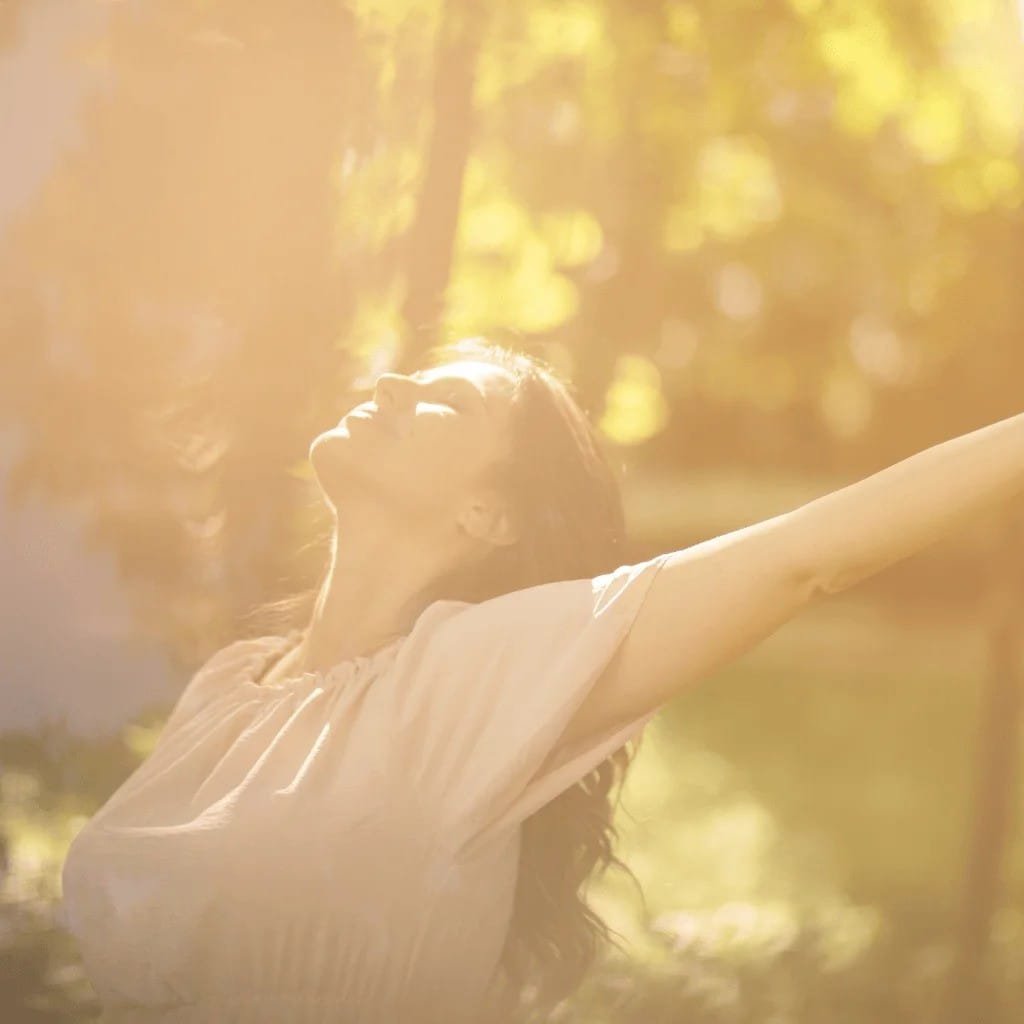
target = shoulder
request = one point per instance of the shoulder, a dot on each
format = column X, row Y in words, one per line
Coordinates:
column 238, row 651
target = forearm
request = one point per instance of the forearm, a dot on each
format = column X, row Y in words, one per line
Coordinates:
column 848, row 535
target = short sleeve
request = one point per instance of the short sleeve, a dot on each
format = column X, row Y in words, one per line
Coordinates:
column 484, row 692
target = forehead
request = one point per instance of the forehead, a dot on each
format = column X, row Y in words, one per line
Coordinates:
column 488, row 377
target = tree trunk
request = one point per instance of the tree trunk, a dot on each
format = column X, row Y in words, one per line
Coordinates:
column 432, row 235
column 997, row 752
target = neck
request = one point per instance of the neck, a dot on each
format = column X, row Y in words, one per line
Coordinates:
column 368, row 597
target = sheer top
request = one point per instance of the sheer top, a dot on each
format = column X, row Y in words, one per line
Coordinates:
column 342, row 846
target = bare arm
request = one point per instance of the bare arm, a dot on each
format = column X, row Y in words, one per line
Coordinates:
column 713, row 601
column 858, row 530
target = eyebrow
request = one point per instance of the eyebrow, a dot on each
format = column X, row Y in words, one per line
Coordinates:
column 465, row 381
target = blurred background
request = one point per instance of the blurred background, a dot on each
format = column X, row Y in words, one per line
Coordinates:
column 776, row 245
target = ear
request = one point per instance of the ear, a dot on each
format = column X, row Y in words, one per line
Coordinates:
column 488, row 519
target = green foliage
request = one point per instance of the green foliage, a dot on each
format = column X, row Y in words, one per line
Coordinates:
column 788, row 216
column 50, row 784
column 780, row 235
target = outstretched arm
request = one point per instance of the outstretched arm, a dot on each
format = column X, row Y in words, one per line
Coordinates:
column 715, row 600
column 852, row 533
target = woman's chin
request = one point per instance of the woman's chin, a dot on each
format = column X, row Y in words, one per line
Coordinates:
column 328, row 456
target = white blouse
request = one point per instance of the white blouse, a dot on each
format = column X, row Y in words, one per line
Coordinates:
column 342, row 846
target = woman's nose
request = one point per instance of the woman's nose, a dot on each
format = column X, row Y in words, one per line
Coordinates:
column 391, row 390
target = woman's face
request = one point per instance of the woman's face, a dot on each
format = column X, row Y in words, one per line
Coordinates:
column 422, row 444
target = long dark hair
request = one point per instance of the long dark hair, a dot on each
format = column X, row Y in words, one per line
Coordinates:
column 568, row 505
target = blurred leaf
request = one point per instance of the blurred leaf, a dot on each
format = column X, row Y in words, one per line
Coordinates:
column 635, row 407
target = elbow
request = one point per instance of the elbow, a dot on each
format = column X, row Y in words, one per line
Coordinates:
column 803, row 568
column 812, row 583
column 795, row 557
column 812, row 578
column 819, row 582
column 812, row 573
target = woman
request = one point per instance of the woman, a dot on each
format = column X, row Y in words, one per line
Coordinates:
column 386, row 813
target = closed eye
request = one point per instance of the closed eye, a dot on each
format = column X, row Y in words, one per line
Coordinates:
column 452, row 397
column 458, row 395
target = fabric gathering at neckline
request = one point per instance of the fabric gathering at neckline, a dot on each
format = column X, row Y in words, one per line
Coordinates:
column 279, row 646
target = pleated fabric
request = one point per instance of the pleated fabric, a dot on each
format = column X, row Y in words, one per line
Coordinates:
column 342, row 846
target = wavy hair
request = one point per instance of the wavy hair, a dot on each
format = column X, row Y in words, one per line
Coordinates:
column 568, row 506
